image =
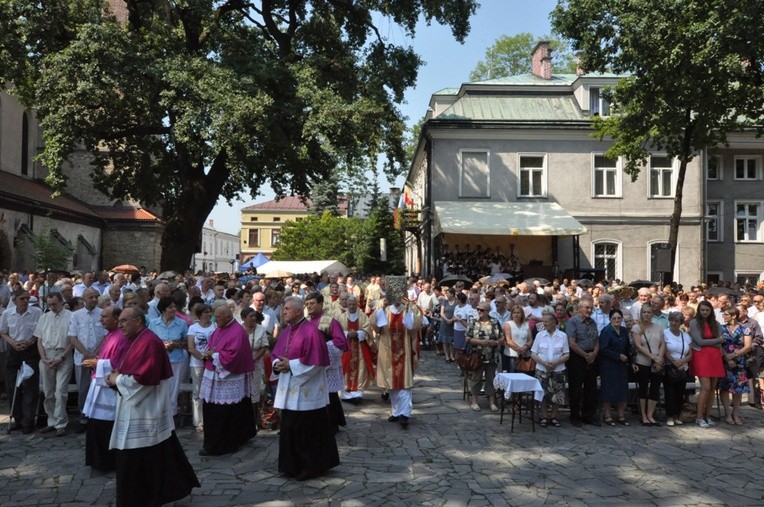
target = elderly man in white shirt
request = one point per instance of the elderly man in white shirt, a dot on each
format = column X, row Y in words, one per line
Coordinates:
column 86, row 334
column 17, row 326
column 87, row 281
column 52, row 333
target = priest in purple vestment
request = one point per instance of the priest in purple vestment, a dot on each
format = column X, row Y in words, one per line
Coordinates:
column 307, row 447
column 226, row 390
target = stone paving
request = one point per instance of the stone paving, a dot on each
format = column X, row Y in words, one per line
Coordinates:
column 449, row 455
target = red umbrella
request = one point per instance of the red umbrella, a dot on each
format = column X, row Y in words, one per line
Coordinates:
column 125, row 268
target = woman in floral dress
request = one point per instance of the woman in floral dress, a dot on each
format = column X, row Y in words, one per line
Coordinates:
column 737, row 343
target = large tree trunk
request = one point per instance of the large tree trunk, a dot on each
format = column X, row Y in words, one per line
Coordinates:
column 676, row 216
column 181, row 239
column 184, row 217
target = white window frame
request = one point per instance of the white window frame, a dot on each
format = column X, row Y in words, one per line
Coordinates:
column 757, row 161
column 487, row 154
column 719, row 274
column 719, row 218
column 544, row 175
column 674, row 171
column 618, row 180
column 275, row 237
column 596, row 106
column 758, row 217
column 747, row 272
column 719, row 168
column 618, row 256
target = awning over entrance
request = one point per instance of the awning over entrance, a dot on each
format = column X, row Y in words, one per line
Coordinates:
column 505, row 219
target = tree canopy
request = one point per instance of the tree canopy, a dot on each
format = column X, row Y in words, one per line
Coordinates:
column 510, row 55
column 693, row 73
column 182, row 102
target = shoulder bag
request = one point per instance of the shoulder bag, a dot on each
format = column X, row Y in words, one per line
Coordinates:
column 673, row 373
column 656, row 369
column 525, row 365
column 469, row 359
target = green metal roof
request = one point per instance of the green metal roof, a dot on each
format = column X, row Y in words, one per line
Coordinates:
column 530, row 79
column 557, row 79
column 508, row 107
column 447, row 91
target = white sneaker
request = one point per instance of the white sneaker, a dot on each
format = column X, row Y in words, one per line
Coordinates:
column 670, row 422
column 702, row 423
column 494, row 408
column 475, row 407
column 678, row 422
column 710, row 423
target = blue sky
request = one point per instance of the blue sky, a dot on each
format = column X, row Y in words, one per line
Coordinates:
column 446, row 64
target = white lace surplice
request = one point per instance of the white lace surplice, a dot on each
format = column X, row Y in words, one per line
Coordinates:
column 225, row 390
column 334, row 379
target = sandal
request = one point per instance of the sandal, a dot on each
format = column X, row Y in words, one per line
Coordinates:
column 609, row 421
column 623, row 421
column 554, row 422
column 543, row 422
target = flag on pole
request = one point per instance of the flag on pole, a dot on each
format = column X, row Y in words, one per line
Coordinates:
column 24, row 373
column 407, row 199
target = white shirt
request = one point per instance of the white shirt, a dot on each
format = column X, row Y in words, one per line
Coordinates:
column 271, row 319
column 463, row 313
column 426, row 301
column 79, row 289
column 86, row 326
column 600, row 318
column 760, row 319
column 53, row 329
column 677, row 346
column 201, row 340
column 550, row 348
column 534, row 311
column 17, row 326
column 153, row 312
column 520, row 336
column 102, row 288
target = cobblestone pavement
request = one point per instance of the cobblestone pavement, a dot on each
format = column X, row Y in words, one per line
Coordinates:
column 449, row 455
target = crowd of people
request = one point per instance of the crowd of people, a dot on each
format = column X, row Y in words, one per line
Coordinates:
column 132, row 344
column 585, row 344
column 305, row 344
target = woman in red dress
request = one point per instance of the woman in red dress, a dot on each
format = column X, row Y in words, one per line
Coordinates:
column 707, row 363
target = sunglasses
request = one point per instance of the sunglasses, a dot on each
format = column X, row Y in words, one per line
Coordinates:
column 482, row 310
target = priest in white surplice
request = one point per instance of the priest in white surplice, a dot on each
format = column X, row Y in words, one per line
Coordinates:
column 307, row 447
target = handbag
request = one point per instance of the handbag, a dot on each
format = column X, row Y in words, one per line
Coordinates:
column 468, row 359
column 525, row 365
column 673, row 373
column 656, row 369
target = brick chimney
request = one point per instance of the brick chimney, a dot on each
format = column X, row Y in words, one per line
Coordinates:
column 541, row 60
